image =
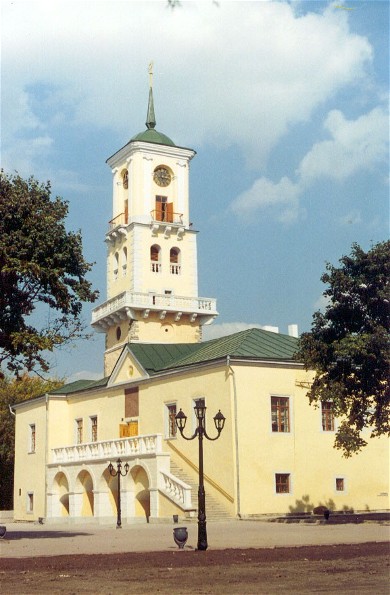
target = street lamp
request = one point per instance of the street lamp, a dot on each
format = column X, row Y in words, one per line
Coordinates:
column 118, row 473
column 219, row 421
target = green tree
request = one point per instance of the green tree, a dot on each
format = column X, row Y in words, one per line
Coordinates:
column 348, row 346
column 42, row 275
column 13, row 391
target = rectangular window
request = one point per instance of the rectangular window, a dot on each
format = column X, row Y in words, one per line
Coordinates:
column 327, row 416
column 32, row 438
column 79, row 431
column 282, row 483
column 94, row 428
column 30, row 501
column 340, row 484
column 280, row 414
column 164, row 209
column 131, row 402
column 171, row 425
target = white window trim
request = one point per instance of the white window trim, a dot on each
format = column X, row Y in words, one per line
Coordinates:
column 166, row 420
column 290, row 413
column 91, row 417
column 345, row 490
column 29, row 509
column 75, row 430
column 335, row 425
column 290, row 481
column 32, row 450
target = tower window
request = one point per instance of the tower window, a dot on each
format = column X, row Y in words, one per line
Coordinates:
column 116, row 265
column 164, row 209
column 174, row 260
column 125, row 179
column 155, row 256
column 124, row 262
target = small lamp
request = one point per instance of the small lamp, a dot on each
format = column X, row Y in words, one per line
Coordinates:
column 219, row 420
column 181, row 420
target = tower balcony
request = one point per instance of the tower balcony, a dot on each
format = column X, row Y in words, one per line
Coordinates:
column 132, row 305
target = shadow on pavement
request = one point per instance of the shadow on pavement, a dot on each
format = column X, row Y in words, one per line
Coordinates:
column 13, row 535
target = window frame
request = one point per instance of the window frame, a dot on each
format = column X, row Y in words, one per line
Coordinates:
column 343, row 479
column 327, row 414
column 32, row 438
column 93, row 428
column 79, row 430
column 30, row 502
column 276, row 483
column 289, row 414
column 170, row 423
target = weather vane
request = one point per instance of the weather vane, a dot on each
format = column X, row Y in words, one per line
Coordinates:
column 150, row 70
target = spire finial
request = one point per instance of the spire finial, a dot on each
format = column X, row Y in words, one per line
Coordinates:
column 150, row 117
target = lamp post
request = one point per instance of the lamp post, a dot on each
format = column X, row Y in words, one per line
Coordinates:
column 118, row 473
column 219, row 420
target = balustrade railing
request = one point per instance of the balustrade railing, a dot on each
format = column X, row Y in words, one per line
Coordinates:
column 146, row 300
column 175, row 489
column 108, row 449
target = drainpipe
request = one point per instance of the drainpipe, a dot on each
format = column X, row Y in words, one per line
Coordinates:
column 235, row 436
column 46, row 450
column 12, row 412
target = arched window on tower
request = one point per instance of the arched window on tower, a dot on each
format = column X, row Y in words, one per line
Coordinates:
column 174, row 261
column 116, row 265
column 125, row 179
column 155, row 259
column 124, row 262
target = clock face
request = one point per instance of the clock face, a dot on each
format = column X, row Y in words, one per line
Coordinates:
column 161, row 176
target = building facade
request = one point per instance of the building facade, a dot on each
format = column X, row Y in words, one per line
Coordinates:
column 275, row 454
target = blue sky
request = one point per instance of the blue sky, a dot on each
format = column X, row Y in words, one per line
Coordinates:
column 284, row 102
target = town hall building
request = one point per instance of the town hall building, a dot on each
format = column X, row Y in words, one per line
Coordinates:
column 275, row 454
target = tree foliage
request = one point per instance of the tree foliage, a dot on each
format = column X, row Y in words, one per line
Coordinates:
column 348, row 346
column 42, row 274
column 13, row 391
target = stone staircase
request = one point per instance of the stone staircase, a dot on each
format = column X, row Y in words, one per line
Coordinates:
column 214, row 510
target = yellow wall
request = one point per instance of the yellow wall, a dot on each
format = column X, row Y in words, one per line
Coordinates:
column 306, row 452
column 214, row 386
column 30, row 466
column 243, row 484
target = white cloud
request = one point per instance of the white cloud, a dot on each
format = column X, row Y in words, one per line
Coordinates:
column 355, row 145
column 237, row 74
column 281, row 197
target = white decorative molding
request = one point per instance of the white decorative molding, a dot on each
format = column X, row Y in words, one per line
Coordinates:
column 108, row 449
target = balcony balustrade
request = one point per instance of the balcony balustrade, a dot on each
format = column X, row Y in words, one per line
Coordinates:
column 129, row 300
column 136, row 446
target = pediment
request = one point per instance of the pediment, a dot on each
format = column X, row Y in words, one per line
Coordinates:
column 127, row 369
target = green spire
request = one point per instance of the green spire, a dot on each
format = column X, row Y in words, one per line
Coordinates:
column 150, row 117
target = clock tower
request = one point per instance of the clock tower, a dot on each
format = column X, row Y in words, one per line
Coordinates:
column 152, row 277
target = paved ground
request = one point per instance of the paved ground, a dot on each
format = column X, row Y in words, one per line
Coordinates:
column 244, row 558
column 29, row 539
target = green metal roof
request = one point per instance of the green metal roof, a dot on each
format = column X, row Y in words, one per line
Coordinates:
column 252, row 343
column 78, row 385
column 150, row 135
